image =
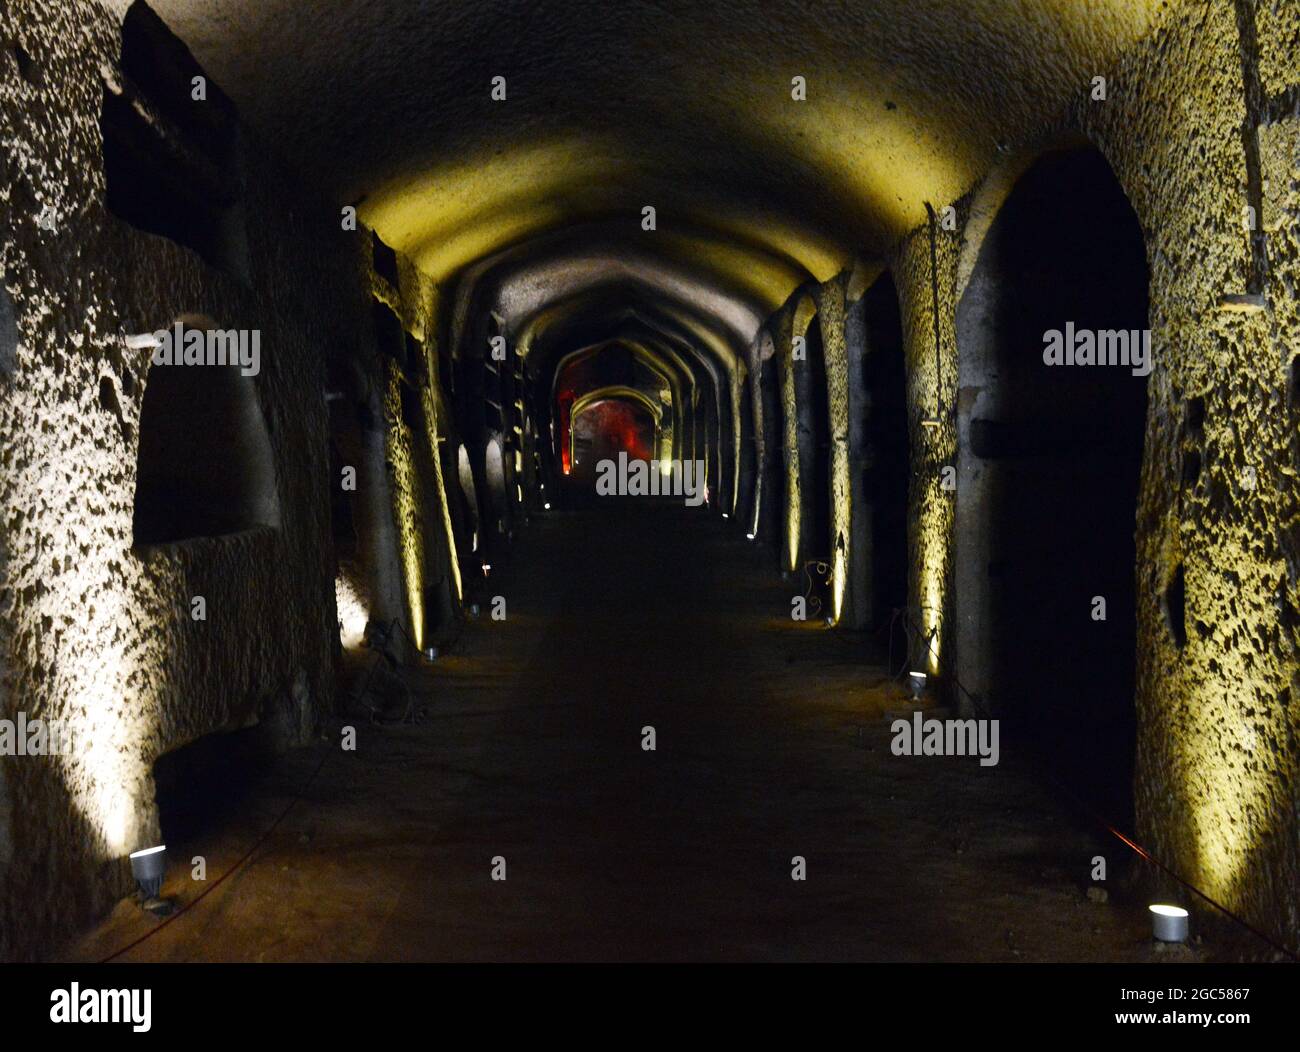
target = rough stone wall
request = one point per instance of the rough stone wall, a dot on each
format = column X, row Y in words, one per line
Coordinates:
column 830, row 315
column 1217, row 760
column 759, row 432
column 1218, row 720
column 859, row 586
column 421, row 545
column 92, row 631
column 931, row 395
column 782, row 326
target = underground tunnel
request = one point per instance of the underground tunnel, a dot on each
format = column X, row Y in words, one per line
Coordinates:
column 649, row 482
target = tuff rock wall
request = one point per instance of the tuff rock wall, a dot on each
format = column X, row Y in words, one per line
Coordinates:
column 1199, row 122
column 1218, row 720
column 94, row 630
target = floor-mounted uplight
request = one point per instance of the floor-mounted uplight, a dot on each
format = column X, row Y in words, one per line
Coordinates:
column 918, row 681
column 1168, row 923
column 749, row 536
column 148, row 867
column 547, row 505
column 142, row 341
column 431, row 654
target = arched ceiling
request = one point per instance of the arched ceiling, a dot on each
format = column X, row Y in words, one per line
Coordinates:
column 520, row 281
column 680, row 104
column 615, row 313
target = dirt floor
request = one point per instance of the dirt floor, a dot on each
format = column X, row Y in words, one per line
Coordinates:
column 772, row 742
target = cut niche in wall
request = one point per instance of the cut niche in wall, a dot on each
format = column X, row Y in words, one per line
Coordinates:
column 8, row 334
column 205, row 465
column 171, row 161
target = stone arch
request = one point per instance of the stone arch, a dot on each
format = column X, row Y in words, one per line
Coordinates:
column 1048, row 466
column 879, row 456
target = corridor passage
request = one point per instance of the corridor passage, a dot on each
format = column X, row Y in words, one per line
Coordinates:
column 649, row 480
column 771, row 742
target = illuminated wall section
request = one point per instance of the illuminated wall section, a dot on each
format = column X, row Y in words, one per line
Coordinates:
column 760, row 442
column 353, row 612
column 94, row 631
column 931, row 392
column 830, row 315
column 782, row 335
column 424, row 304
column 735, row 377
column 434, row 424
column 1218, row 774
column 405, row 486
column 1218, row 767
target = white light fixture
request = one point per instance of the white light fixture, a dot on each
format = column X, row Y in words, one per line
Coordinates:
column 487, row 569
column 918, row 680
column 431, row 654
column 725, row 515
column 1168, row 923
column 547, row 505
column 749, row 536
column 148, row 867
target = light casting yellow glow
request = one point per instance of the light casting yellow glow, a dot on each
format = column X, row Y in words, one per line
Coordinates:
column 106, row 771
column 398, row 444
column 352, row 614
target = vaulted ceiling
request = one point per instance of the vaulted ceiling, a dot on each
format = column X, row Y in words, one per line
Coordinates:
column 684, row 105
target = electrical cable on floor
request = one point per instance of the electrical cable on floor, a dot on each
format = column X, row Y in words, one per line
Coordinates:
column 823, row 568
column 221, row 879
column 260, row 840
column 910, row 639
column 1109, row 826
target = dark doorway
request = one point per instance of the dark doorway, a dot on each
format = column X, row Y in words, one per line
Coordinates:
column 1050, row 462
column 814, row 445
column 887, row 461
column 205, row 465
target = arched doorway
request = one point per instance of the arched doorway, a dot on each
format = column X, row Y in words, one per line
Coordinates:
column 604, row 428
column 880, row 460
column 1050, row 453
